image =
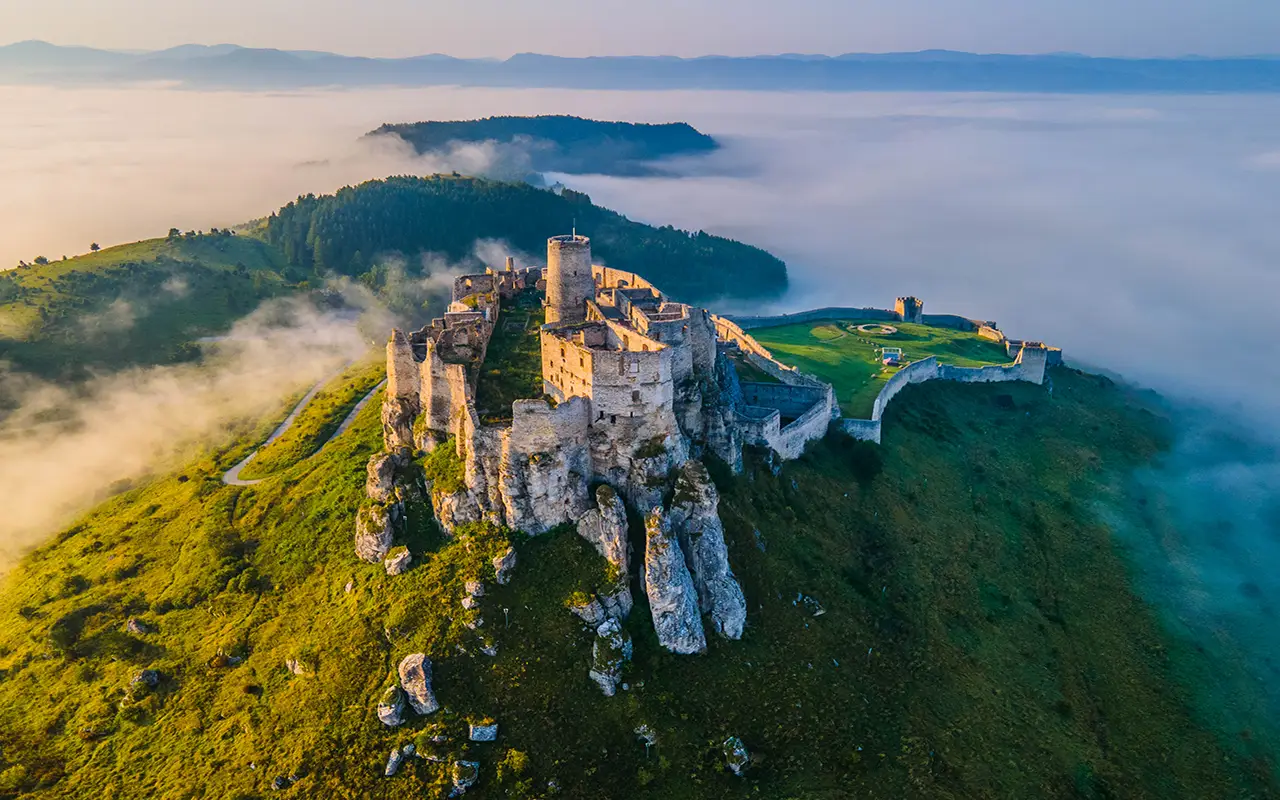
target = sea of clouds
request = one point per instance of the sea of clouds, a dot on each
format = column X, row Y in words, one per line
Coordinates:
column 1139, row 233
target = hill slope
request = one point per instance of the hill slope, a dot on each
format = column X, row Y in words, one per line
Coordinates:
column 348, row 231
column 140, row 303
column 979, row 636
column 560, row 143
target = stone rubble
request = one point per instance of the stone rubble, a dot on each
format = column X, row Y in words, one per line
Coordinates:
column 735, row 755
column 483, row 733
column 391, row 707
column 137, row 627
column 465, row 775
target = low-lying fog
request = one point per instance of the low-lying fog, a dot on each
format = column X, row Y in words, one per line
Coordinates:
column 1139, row 233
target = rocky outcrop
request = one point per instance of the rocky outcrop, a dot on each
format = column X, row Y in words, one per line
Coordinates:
column 397, row 758
column 483, row 732
column 465, row 775
column 398, row 561
column 391, row 707
column 374, row 532
column 543, row 465
column 504, row 565
column 605, row 526
column 398, row 414
column 415, row 678
column 587, row 608
column 137, row 627
column 695, row 520
column 380, row 481
column 455, row 509
column 736, row 756
column 617, row 603
column 609, row 656
column 673, row 600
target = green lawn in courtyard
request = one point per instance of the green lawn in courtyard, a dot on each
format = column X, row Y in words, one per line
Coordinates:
column 837, row 352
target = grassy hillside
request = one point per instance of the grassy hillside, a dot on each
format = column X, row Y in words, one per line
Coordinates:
column 979, row 637
column 320, row 419
column 141, row 303
column 850, row 360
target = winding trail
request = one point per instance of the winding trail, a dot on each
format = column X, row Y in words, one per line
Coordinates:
column 232, row 476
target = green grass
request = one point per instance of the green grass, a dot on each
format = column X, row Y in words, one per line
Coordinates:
column 141, row 303
column 319, row 420
column 835, row 351
column 512, row 367
column 980, row 636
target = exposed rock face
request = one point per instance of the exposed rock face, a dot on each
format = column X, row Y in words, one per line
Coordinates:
column 398, row 562
column 609, row 655
column 735, row 755
column 695, row 520
column 380, row 484
column 590, row 611
column 391, row 707
column 504, row 565
column 295, row 666
column 673, row 600
column 606, row 527
column 455, row 509
column 618, row 604
column 398, row 414
column 483, row 733
column 415, row 677
column 373, row 533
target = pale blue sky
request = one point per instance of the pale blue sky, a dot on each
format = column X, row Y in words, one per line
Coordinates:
column 652, row 27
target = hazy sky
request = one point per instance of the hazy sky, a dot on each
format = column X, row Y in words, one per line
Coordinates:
column 674, row 27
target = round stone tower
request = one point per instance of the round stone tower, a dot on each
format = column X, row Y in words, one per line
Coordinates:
column 569, row 281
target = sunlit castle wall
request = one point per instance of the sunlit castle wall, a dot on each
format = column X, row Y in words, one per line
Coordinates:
column 569, row 280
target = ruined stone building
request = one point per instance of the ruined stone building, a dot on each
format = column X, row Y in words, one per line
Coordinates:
column 636, row 388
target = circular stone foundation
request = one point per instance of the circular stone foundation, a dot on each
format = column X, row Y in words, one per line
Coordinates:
column 881, row 330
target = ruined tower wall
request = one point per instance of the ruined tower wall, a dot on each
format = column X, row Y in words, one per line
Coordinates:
column 569, row 280
column 402, row 369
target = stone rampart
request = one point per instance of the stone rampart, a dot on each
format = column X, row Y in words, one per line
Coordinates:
column 813, row 315
column 791, row 401
column 609, row 278
column 1029, row 366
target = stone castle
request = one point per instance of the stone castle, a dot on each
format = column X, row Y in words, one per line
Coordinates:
column 636, row 389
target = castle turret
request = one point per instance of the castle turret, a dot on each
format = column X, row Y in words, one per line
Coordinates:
column 569, row 281
column 910, row 309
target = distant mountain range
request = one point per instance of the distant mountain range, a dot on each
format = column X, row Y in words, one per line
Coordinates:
column 232, row 66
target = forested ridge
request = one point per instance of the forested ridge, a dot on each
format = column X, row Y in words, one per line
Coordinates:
column 563, row 143
column 352, row 230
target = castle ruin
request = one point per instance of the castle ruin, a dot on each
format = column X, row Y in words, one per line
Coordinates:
column 636, row 390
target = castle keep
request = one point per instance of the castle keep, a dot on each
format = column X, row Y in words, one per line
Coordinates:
column 635, row 389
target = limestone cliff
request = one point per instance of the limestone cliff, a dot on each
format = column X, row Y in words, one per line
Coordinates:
column 695, row 521
column 673, row 600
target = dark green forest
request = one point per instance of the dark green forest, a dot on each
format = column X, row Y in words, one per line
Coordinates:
column 351, row 231
column 563, row 143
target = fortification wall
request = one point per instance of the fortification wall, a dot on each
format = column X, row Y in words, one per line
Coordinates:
column 545, row 468
column 791, row 401
column 812, row 425
column 915, row 372
column 609, row 278
column 954, row 321
column 813, row 315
